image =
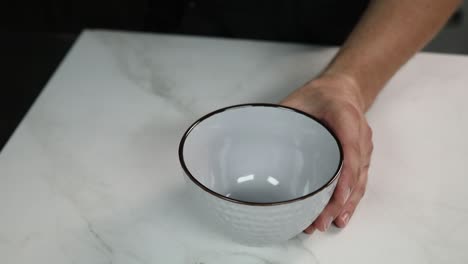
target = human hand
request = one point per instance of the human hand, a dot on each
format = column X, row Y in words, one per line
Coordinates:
column 337, row 101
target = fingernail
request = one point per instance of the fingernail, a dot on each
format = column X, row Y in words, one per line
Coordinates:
column 328, row 223
column 346, row 194
column 345, row 218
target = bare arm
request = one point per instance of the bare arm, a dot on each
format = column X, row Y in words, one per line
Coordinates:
column 387, row 35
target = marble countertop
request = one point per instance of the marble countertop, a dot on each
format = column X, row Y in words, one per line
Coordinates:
column 91, row 175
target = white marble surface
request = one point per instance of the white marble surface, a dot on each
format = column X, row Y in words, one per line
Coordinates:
column 91, row 175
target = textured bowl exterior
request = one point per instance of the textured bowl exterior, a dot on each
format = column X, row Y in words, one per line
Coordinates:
column 259, row 225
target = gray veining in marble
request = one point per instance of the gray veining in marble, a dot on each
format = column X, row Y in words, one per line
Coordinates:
column 91, row 175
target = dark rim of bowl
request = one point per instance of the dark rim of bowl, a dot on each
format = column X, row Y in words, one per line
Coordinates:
column 203, row 187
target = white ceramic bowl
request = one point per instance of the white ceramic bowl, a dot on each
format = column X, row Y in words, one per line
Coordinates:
column 264, row 171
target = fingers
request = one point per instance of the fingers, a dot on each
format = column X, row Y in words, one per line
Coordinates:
column 350, row 139
column 348, row 210
column 339, row 199
column 356, row 139
column 339, row 213
column 360, row 188
column 350, row 172
column 352, row 182
column 366, row 145
column 348, row 127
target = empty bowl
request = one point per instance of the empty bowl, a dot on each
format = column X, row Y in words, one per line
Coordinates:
column 263, row 171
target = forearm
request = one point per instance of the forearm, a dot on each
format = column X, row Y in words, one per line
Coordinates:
column 388, row 34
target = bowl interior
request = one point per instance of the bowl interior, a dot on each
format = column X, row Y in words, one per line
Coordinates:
column 261, row 154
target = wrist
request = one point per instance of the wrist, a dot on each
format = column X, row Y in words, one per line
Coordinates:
column 341, row 85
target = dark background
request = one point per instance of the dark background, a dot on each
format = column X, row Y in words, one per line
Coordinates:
column 35, row 35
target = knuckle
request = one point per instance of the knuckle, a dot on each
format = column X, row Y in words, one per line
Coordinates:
column 355, row 148
column 337, row 201
column 356, row 175
column 362, row 190
column 336, row 205
column 371, row 147
column 352, row 150
column 349, row 177
column 365, row 169
column 351, row 206
column 352, row 111
column 369, row 132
